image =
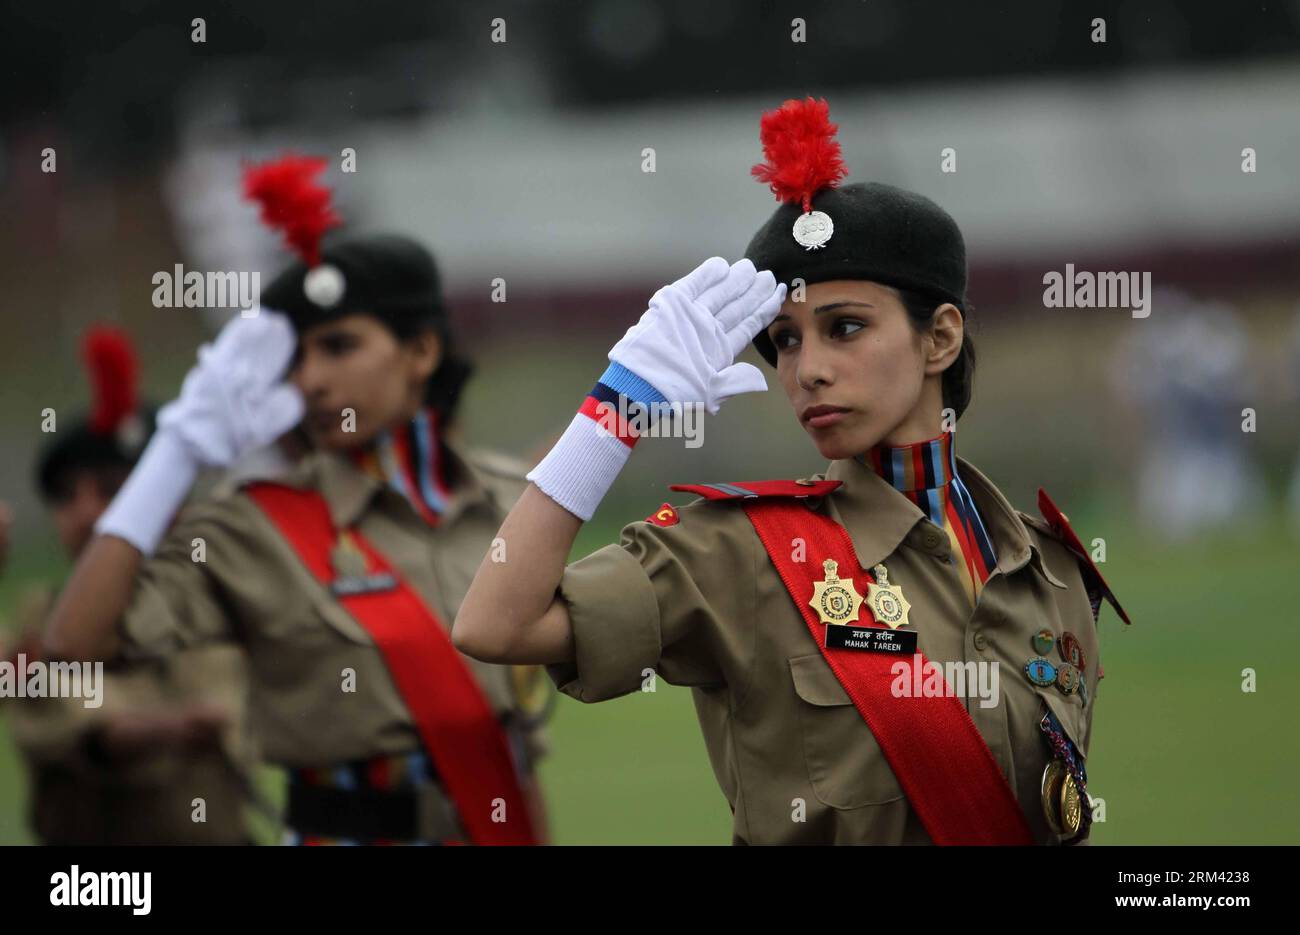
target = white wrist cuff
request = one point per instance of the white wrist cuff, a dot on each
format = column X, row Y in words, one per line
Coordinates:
column 580, row 469
column 147, row 502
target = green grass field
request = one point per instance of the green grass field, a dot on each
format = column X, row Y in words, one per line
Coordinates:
column 1180, row 754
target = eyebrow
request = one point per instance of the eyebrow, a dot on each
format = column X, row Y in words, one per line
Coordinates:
column 829, row 307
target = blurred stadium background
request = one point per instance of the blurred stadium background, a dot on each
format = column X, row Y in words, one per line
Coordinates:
column 523, row 160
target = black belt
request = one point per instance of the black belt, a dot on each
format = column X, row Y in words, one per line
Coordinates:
column 321, row 811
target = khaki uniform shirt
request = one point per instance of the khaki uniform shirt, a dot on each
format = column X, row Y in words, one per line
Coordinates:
column 321, row 692
column 145, row 798
column 701, row 604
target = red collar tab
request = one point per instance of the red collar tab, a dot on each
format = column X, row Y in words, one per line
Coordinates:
column 1061, row 526
column 744, row 490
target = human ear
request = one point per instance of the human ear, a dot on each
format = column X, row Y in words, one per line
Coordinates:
column 426, row 351
column 945, row 333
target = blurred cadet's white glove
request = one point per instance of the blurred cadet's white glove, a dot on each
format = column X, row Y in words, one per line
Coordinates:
column 682, row 351
column 232, row 401
column 235, row 399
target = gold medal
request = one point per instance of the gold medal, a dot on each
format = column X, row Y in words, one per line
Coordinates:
column 1071, row 806
column 1062, row 801
column 835, row 600
column 1050, row 792
column 886, row 600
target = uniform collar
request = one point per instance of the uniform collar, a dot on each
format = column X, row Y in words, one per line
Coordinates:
column 926, row 465
column 879, row 518
column 349, row 491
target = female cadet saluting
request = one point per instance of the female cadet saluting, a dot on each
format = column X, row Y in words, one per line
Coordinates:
column 341, row 580
column 825, row 625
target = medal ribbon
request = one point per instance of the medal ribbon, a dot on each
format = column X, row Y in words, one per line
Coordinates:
column 943, row 764
column 462, row 736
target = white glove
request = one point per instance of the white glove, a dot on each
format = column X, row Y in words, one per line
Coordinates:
column 681, row 351
column 235, row 398
column 686, row 341
column 232, row 401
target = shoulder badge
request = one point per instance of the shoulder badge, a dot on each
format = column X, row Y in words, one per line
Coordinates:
column 666, row 515
column 801, row 488
column 1060, row 526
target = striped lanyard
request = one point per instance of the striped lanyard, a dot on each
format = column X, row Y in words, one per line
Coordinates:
column 410, row 460
column 926, row 473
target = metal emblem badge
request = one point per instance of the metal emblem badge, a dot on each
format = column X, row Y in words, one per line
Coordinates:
column 886, row 600
column 1072, row 652
column 1068, row 678
column 324, row 285
column 351, row 574
column 835, row 600
column 813, row 229
column 347, row 560
column 1041, row 672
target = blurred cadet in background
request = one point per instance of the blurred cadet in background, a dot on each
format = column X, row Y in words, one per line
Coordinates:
column 166, row 758
column 342, row 578
column 1186, row 371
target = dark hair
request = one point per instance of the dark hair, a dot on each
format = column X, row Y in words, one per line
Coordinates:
column 960, row 375
column 442, row 392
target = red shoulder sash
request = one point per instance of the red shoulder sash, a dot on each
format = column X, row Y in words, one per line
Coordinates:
column 462, row 736
column 943, row 764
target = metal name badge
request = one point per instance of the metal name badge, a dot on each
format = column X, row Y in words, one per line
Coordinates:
column 872, row 639
column 813, row 230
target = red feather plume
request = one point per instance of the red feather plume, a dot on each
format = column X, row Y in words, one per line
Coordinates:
column 803, row 156
column 114, row 373
column 293, row 202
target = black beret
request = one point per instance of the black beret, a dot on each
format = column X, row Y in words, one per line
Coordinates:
column 80, row 448
column 882, row 233
column 392, row 278
column 389, row 276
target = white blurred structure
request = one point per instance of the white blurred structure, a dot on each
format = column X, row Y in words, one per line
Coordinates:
column 1054, row 170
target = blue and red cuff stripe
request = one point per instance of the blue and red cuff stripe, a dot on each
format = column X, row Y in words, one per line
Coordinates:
column 619, row 391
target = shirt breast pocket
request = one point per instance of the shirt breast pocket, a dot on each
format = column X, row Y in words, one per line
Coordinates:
column 846, row 766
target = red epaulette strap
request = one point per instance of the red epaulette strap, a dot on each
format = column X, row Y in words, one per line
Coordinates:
column 1054, row 518
column 760, row 488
